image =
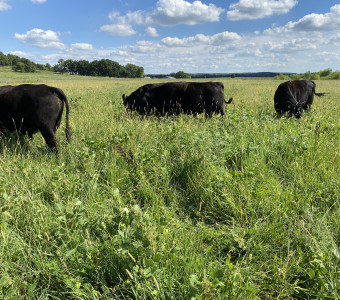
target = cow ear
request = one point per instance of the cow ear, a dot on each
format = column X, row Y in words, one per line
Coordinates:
column 145, row 89
column 123, row 96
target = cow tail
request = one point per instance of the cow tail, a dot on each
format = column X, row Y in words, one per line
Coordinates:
column 63, row 97
column 320, row 94
column 230, row 100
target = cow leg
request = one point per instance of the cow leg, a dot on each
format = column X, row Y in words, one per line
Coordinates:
column 50, row 139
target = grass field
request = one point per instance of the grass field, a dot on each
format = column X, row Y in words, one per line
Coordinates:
column 240, row 207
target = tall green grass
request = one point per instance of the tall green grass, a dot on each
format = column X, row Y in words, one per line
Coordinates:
column 240, row 207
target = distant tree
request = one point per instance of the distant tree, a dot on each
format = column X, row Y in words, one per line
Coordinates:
column 123, row 72
column 48, row 67
column 307, row 75
column 180, row 74
column 295, row 76
column 282, row 77
column 3, row 60
column 24, row 65
column 133, row 71
column 70, row 66
column 12, row 59
column 41, row 67
column 94, row 68
column 325, row 73
column 83, row 67
column 60, row 66
column 336, row 75
column 315, row 76
column 233, row 75
column 19, row 67
column 103, row 67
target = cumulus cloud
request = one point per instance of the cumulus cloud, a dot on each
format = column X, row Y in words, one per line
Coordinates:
column 38, row 1
column 223, row 38
column 46, row 39
column 166, row 13
column 136, row 17
column 151, row 31
column 4, row 6
column 313, row 22
column 118, row 29
column 81, row 46
column 122, row 26
column 173, row 12
column 257, row 9
column 289, row 46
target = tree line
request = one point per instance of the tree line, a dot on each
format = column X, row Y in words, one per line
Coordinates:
column 323, row 74
column 103, row 67
column 20, row 64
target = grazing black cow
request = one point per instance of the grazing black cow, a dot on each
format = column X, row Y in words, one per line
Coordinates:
column 294, row 97
column 29, row 108
column 177, row 97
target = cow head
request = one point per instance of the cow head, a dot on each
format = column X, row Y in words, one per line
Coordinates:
column 137, row 100
column 297, row 110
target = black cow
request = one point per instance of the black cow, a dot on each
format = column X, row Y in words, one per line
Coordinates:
column 177, row 97
column 30, row 108
column 294, row 97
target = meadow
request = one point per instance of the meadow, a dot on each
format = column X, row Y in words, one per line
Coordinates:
column 244, row 206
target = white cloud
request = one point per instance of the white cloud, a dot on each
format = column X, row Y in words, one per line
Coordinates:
column 46, row 39
column 38, row 1
column 293, row 45
column 223, row 38
column 4, row 6
column 22, row 54
column 151, row 31
column 313, row 22
column 114, row 16
column 136, row 17
column 166, row 13
column 256, row 9
column 122, row 26
column 118, row 29
column 174, row 12
column 82, row 46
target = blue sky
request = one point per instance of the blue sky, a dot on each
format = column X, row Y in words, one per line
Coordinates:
column 170, row 35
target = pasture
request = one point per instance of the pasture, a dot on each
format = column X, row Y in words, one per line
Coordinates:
column 240, row 207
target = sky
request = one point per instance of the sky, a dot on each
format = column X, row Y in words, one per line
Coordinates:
column 164, row 36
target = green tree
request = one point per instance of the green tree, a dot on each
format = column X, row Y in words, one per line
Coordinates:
column 83, row 67
column 24, row 65
column 60, row 66
column 325, row 73
column 133, row 71
column 336, row 75
column 12, row 59
column 70, row 66
column 315, row 76
column 41, row 67
column 19, row 67
column 180, row 74
column 3, row 60
column 295, row 77
column 48, row 67
column 282, row 77
column 307, row 75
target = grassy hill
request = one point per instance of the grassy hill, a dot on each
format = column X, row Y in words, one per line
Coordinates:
column 240, row 207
